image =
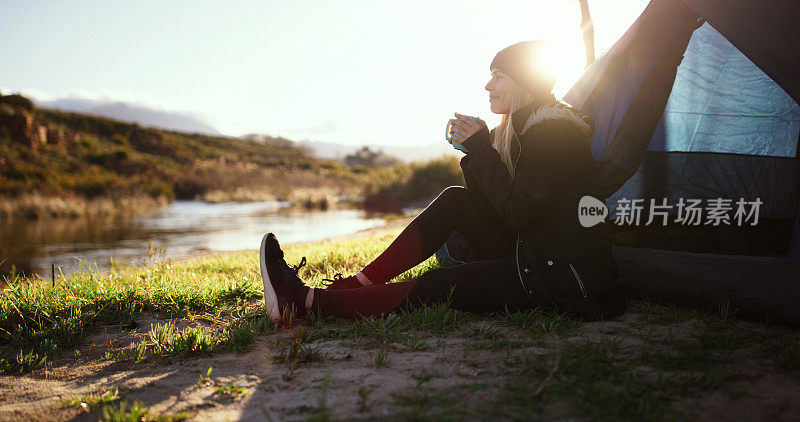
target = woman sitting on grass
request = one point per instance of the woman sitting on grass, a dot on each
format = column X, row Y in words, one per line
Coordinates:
column 519, row 213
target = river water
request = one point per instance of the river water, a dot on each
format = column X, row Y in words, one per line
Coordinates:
column 32, row 246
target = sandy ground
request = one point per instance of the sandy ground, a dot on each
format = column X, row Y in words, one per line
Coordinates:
column 275, row 392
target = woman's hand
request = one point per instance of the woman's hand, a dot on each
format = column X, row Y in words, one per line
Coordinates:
column 462, row 127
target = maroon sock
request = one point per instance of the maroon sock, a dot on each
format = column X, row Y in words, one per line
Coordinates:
column 365, row 301
column 299, row 300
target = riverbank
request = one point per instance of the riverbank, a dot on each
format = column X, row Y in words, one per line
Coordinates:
column 188, row 339
column 37, row 206
column 37, row 246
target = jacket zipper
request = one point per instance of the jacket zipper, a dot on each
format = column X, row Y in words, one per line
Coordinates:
column 580, row 282
column 516, row 247
column 519, row 144
column 519, row 273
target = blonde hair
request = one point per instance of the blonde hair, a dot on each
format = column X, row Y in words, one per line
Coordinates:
column 504, row 132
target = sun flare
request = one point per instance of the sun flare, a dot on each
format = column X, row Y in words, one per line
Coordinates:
column 566, row 59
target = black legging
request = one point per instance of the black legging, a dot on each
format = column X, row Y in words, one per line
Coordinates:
column 488, row 284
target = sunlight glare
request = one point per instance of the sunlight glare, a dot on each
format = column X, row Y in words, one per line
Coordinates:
column 565, row 57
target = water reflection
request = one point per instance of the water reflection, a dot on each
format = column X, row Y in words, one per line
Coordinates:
column 183, row 227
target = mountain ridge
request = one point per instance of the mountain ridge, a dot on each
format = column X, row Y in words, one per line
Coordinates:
column 130, row 112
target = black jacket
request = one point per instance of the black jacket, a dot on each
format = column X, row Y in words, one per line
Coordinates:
column 560, row 263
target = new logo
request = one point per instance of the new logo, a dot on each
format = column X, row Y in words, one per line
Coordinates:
column 591, row 211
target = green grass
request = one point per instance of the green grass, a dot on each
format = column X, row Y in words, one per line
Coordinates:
column 124, row 412
column 95, row 398
column 29, row 361
column 540, row 321
column 426, row 404
column 169, row 341
column 381, row 358
column 39, row 320
column 363, row 397
column 242, row 334
column 297, row 352
column 205, row 379
column 789, row 357
column 231, row 391
column 137, row 412
column 322, row 412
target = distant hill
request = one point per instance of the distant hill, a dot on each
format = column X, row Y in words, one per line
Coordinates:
column 185, row 122
column 59, row 153
column 131, row 113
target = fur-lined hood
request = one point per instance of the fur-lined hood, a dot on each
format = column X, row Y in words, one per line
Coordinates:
column 532, row 114
column 560, row 111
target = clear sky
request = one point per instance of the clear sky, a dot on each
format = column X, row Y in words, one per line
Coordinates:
column 347, row 71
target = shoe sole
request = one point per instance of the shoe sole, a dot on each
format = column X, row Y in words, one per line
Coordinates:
column 270, row 298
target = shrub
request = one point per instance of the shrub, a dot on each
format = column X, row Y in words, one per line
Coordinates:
column 119, row 139
column 430, row 178
column 121, row 154
column 160, row 189
column 189, row 187
column 5, row 135
column 406, row 183
column 366, row 157
column 17, row 101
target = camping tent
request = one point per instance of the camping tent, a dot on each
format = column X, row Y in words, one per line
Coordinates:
column 698, row 100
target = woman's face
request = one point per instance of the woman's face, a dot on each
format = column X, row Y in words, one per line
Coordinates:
column 500, row 88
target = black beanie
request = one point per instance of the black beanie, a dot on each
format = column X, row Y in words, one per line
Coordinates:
column 523, row 62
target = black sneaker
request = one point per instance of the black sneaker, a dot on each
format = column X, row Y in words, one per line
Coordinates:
column 282, row 286
column 342, row 283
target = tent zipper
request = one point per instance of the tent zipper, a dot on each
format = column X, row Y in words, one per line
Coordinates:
column 580, row 283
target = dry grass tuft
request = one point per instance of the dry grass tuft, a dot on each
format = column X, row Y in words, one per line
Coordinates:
column 35, row 205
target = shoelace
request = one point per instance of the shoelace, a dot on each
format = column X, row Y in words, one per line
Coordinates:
column 286, row 268
column 336, row 277
column 297, row 267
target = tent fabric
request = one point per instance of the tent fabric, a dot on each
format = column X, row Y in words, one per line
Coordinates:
column 794, row 249
column 722, row 102
column 775, row 181
column 710, row 125
column 766, row 31
column 627, row 88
